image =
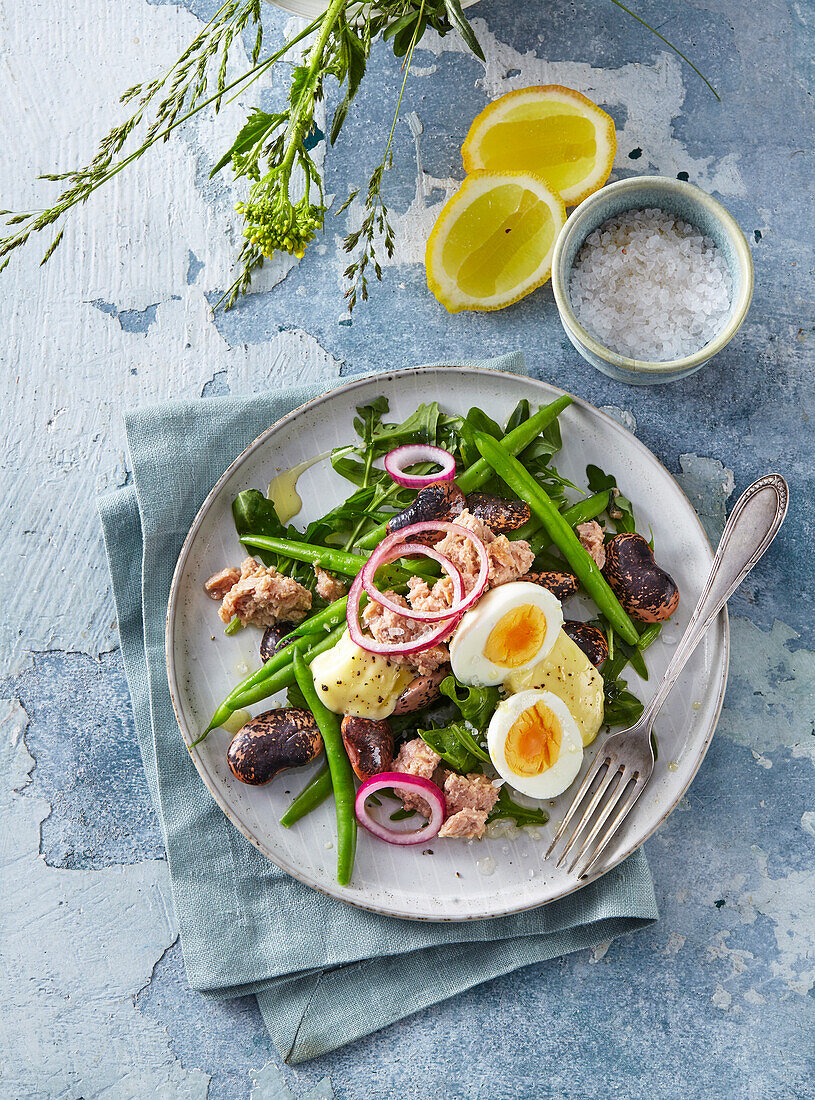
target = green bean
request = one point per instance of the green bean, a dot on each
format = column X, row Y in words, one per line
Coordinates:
column 285, row 676
column 270, row 678
column 275, row 663
column 233, row 626
column 342, row 778
column 514, row 442
column 329, row 557
column 586, row 510
column 649, row 635
column 312, row 796
column 616, row 662
column 583, row 566
column 476, row 475
column 582, row 512
column 328, row 617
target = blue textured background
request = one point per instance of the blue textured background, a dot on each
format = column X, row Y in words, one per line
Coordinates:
column 717, row 998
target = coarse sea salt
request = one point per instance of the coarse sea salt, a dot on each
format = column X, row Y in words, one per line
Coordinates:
column 650, row 286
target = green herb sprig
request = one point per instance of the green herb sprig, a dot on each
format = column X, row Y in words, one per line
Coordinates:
column 285, row 207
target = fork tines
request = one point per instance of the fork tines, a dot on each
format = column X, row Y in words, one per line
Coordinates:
column 622, row 785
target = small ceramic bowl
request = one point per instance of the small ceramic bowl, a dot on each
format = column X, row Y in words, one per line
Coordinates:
column 686, row 202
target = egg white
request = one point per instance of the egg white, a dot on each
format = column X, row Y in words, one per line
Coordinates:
column 470, row 665
column 563, row 771
column 569, row 674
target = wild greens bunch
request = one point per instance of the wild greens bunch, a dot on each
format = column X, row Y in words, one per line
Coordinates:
column 285, row 205
column 273, row 150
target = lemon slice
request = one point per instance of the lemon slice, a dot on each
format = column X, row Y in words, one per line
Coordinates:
column 550, row 130
column 493, row 241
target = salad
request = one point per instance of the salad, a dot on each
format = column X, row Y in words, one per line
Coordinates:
column 419, row 629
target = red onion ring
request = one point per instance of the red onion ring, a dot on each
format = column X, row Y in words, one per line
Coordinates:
column 405, row 534
column 402, row 549
column 411, row 453
column 432, row 794
column 391, row 649
column 395, row 546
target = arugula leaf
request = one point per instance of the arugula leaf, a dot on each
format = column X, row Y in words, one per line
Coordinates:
column 507, row 807
column 342, row 518
column 476, row 420
column 370, row 417
column 547, row 444
column 621, row 708
column 451, row 743
column 554, row 484
column 620, row 509
column 345, row 461
column 437, row 714
column 620, row 653
column 420, row 427
column 254, row 514
column 426, row 425
column 448, row 427
column 455, row 742
column 402, row 815
column 355, row 463
column 477, row 705
column 519, row 414
column 635, row 658
column 469, row 742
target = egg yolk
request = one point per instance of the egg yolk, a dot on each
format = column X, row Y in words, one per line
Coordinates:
column 533, row 742
column 516, row 637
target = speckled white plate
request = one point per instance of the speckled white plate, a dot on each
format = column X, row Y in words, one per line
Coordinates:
column 203, row 664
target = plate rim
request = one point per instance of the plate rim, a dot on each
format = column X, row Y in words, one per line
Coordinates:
column 173, row 605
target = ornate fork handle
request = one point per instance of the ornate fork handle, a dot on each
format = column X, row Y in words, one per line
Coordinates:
column 752, row 526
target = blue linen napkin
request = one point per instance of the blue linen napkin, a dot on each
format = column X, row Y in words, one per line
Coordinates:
column 324, row 973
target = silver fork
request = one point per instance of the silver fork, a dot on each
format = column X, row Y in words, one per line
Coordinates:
column 625, row 761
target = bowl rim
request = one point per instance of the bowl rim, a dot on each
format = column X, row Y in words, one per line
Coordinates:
column 575, row 222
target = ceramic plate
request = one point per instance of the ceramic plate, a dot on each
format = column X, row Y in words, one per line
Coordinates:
column 450, row 883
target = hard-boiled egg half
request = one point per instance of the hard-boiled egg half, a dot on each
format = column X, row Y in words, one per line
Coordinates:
column 535, row 744
column 511, row 628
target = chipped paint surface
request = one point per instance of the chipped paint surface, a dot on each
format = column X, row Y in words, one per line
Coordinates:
column 98, row 1003
column 76, row 946
column 770, row 701
column 708, row 485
